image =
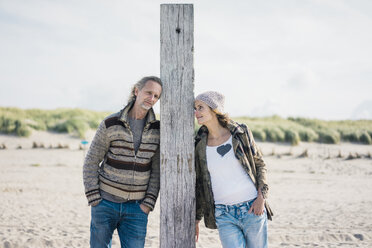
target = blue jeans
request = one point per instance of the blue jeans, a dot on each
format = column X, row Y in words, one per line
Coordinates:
column 238, row 228
column 128, row 218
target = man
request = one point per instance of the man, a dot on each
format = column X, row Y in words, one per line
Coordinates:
column 121, row 169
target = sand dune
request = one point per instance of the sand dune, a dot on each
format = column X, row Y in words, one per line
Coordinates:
column 319, row 201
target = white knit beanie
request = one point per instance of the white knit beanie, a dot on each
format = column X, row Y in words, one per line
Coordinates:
column 213, row 99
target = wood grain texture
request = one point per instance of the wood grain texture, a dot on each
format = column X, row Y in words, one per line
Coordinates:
column 177, row 195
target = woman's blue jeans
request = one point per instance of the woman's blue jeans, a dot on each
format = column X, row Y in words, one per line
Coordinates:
column 128, row 218
column 238, row 228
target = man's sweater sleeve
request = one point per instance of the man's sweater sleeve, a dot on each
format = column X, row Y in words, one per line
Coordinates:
column 154, row 182
column 94, row 157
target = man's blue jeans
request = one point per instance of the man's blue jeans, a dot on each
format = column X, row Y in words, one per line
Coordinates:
column 128, row 218
column 238, row 228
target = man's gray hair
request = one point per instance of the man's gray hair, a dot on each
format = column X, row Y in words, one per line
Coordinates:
column 140, row 84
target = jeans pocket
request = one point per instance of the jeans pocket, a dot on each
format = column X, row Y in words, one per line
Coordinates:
column 219, row 212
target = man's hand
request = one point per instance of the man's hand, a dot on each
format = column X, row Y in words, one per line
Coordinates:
column 258, row 206
column 197, row 230
column 145, row 208
column 95, row 203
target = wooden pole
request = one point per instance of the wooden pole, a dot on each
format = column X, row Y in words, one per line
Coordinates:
column 177, row 187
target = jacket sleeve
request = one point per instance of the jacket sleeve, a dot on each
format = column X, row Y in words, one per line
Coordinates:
column 154, row 182
column 198, row 189
column 259, row 164
column 94, row 157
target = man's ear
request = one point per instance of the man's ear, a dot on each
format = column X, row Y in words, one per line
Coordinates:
column 136, row 91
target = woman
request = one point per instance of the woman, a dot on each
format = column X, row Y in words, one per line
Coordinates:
column 231, row 183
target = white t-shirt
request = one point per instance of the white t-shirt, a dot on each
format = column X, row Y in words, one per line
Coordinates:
column 230, row 183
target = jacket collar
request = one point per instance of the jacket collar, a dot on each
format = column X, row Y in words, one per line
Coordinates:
column 150, row 117
column 234, row 128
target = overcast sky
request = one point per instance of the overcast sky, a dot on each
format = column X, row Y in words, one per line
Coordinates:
column 286, row 57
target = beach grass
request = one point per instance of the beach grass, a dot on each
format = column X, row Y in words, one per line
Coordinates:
column 294, row 130
column 291, row 130
column 21, row 122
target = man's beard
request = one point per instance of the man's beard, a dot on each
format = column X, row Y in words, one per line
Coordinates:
column 144, row 106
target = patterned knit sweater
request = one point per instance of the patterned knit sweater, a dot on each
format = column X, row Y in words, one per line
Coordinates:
column 113, row 166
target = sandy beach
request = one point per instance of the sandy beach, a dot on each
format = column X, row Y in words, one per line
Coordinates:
column 319, row 200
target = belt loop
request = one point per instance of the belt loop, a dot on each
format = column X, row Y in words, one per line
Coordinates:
column 251, row 202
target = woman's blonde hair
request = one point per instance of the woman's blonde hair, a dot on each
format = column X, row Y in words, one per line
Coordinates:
column 223, row 119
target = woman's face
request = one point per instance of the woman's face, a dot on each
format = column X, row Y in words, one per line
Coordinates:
column 203, row 113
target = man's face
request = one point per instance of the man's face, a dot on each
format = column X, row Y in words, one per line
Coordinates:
column 148, row 95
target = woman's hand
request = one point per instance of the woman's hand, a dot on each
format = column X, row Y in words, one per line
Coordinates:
column 197, row 230
column 258, row 206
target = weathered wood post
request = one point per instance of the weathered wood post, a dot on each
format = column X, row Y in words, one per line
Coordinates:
column 177, row 193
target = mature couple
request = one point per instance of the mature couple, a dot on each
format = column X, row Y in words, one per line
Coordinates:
column 122, row 181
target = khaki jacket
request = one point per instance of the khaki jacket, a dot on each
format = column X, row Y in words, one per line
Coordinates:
column 250, row 157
